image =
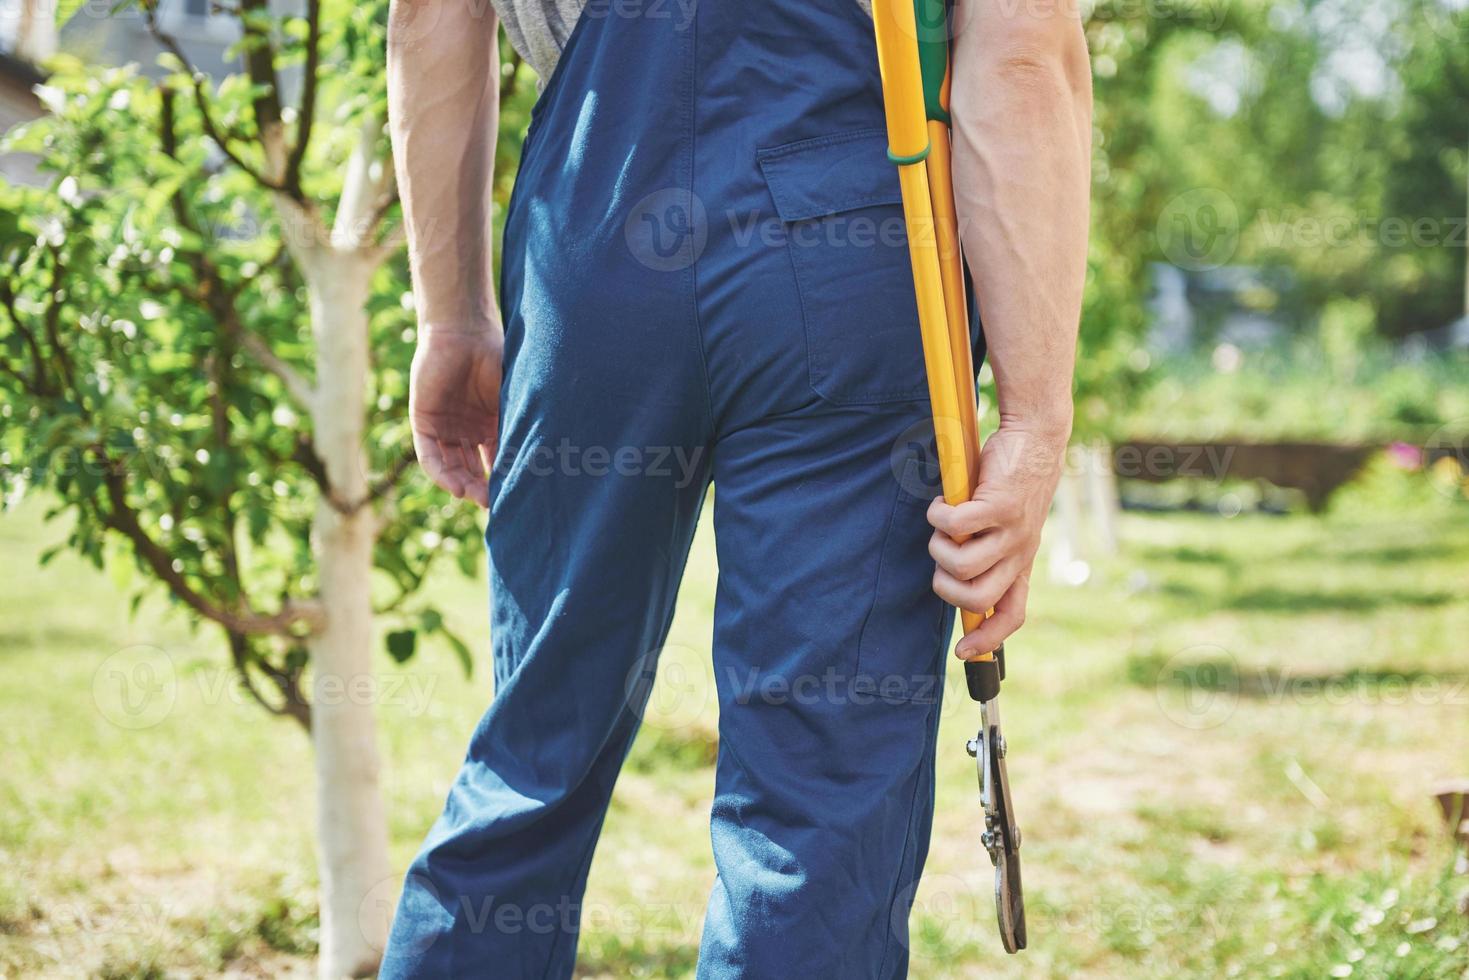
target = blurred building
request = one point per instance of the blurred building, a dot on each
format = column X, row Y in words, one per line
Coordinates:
column 1247, row 306
column 18, row 104
column 102, row 38
column 28, row 36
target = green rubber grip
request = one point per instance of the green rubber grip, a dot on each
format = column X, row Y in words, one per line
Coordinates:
column 932, row 18
column 908, row 161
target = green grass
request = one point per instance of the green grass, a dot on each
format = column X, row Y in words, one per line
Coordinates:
column 1222, row 751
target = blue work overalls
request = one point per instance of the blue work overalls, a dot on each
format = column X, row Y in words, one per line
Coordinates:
column 705, row 277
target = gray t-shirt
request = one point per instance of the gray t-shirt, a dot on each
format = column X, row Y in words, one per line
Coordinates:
column 538, row 29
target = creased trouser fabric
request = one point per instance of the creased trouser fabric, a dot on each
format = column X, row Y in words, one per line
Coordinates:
column 705, row 278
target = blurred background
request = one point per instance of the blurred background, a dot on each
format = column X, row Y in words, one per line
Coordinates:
column 1238, row 717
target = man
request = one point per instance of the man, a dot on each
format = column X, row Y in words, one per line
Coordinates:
column 705, row 280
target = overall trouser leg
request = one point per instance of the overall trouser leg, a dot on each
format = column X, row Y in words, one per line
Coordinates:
column 584, row 568
column 600, row 475
column 829, row 662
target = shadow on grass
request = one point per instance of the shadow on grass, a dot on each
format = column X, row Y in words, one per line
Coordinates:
column 55, row 639
column 1395, row 554
column 1283, row 600
column 1188, row 555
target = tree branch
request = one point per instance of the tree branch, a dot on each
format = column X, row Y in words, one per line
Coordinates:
column 389, row 480
column 123, row 518
column 260, row 67
column 296, row 385
column 293, row 702
column 201, row 100
column 37, row 385
column 306, row 115
column 52, row 318
column 221, row 297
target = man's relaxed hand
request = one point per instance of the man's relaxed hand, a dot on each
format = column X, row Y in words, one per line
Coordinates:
column 1018, row 472
column 454, row 407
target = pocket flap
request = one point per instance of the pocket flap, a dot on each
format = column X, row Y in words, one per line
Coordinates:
column 828, row 174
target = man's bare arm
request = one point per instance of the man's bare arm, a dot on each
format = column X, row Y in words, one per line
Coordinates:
column 443, row 110
column 1022, row 120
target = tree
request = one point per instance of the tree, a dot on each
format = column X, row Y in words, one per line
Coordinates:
column 1135, row 177
column 205, row 329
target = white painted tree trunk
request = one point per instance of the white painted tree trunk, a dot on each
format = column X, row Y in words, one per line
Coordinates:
column 1102, row 495
column 352, row 838
column 1066, row 563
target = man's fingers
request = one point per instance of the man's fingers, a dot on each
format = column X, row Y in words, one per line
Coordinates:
column 966, row 519
column 1009, row 616
column 969, row 560
column 464, row 463
column 443, row 463
column 980, row 594
column 479, row 487
column 431, row 460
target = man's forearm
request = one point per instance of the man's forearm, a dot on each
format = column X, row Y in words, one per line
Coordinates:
column 1021, row 104
column 443, row 110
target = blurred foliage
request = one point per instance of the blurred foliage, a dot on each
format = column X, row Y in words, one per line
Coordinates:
column 137, row 290
column 1302, row 393
column 1320, row 128
column 1322, row 141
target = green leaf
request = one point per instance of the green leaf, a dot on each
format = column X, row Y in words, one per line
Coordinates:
column 66, row 8
column 402, row 644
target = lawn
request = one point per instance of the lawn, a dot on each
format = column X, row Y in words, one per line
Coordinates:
column 1222, row 749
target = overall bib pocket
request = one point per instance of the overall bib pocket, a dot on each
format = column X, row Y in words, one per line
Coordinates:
column 841, row 214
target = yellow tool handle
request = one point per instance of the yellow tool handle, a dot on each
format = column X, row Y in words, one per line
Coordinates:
column 921, row 151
